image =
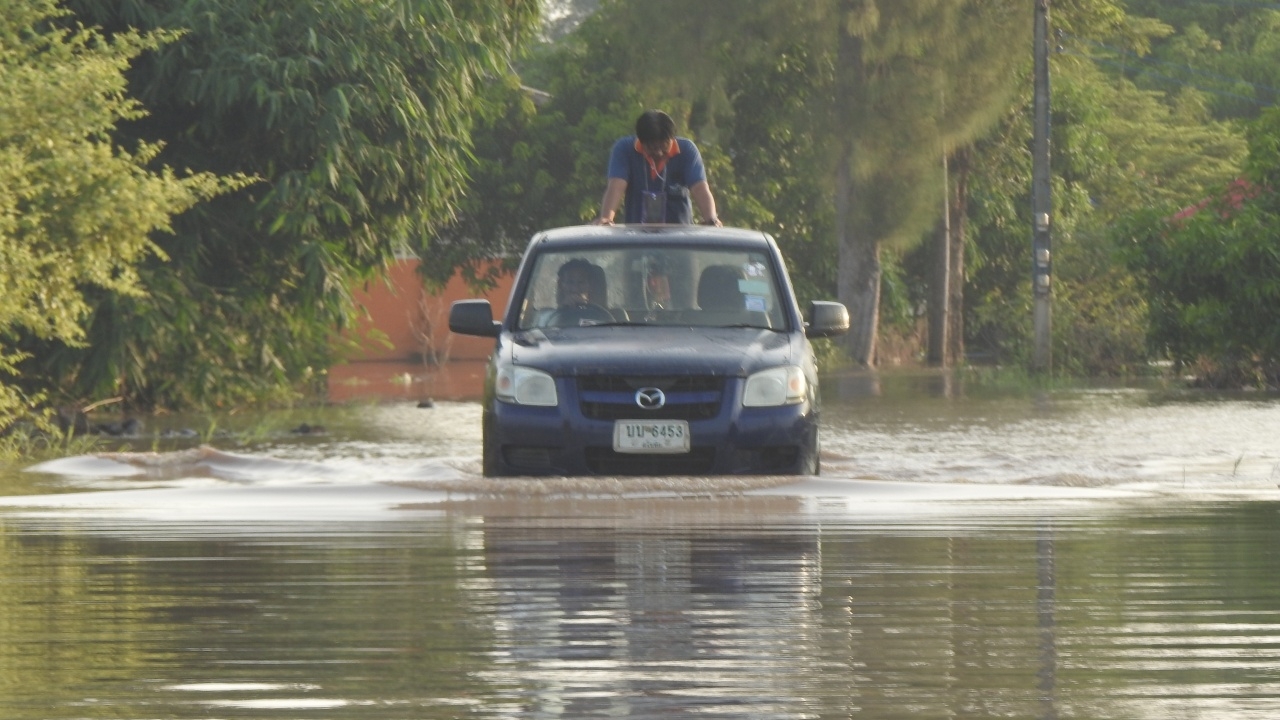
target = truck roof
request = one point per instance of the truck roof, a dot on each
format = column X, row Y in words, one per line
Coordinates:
column 597, row 235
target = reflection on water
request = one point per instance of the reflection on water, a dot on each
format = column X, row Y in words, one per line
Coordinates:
column 644, row 611
column 384, row 380
column 931, row 429
column 1104, row 553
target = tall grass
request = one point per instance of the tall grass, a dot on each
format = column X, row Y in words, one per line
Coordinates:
column 24, row 444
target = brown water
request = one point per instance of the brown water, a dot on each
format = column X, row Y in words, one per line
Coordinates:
column 1105, row 553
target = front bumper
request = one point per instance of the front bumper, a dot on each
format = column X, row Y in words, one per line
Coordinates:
column 562, row 440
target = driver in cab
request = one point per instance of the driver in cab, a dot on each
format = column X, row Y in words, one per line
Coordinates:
column 579, row 295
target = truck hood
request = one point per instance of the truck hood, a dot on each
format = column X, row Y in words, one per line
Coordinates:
column 632, row 350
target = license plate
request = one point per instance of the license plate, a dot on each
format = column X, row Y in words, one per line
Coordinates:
column 651, row 436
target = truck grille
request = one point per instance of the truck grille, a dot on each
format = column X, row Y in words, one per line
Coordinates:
column 614, row 398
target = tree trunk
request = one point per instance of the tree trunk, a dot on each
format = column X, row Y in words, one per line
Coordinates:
column 959, row 204
column 859, row 272
column 858, row 265
column 860, row 292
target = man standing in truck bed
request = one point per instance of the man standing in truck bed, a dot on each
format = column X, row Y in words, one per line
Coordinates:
column 659, row 175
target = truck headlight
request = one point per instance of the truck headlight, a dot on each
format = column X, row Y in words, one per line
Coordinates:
column 526, row 386
column 775, row 386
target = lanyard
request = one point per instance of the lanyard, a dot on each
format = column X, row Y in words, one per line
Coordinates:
column 655, row 175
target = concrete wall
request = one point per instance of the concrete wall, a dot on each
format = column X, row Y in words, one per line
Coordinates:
column 415, row 322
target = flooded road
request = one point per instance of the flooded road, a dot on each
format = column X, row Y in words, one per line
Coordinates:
column 967, row 552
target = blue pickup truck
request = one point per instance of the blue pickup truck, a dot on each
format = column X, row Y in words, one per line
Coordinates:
column 651, row 350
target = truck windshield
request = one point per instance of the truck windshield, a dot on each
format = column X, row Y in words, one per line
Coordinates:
column 697, row 287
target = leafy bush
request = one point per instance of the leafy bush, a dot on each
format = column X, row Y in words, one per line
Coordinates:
column 1212, row 276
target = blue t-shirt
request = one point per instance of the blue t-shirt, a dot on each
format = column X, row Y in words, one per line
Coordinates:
column 670, row 182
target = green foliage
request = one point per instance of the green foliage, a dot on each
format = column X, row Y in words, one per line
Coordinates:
column 14, row 403
column 758, row 86
column 1263, row 164
column 760, row 83
column 778, row 181
column 912, row 82
column 78, row 213
column 1228, row 52
column 37, row 440
column 1138, row 153
column 539, row 161
column 1213, row 276
column 1214, row 292
column 355, row 116
column 753, row 83
column 1117, row 150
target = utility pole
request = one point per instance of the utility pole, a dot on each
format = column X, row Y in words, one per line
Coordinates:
column 1041, row 256
column 940, row 297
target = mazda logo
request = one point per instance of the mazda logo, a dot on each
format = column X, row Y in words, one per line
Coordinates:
column 650, row 398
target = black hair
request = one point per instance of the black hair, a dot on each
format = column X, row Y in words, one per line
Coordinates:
column 575, row 264
column 655, row 126
column 594, row 274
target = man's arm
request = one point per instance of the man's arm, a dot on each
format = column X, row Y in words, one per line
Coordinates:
column 701, row 195
column 614, row 191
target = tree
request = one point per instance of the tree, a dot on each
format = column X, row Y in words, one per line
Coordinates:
column 539, row 158
column 78, row 212
column 1211, row 274
column 914, row 81
column 946, row 270
column 562, row 16
column 887, row 89
column 541, row 161
column 1118, row 152
column 355, row 116
column 756, row 84
column 1224, row 55
column 895, row 87
column 776, row 185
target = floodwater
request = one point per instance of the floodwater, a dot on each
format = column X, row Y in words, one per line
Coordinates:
column 968, row 552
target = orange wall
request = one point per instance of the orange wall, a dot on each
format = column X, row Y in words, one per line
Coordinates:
column 415, row 322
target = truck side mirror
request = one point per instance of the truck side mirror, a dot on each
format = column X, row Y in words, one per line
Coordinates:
column 827, row 319
column 473, row 317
